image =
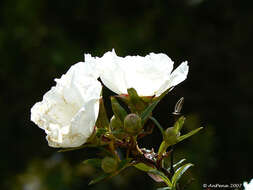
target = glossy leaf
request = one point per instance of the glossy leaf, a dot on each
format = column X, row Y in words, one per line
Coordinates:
column 177, row 164
column 179, row 172
column 189, row 134
column 163, row 188
column 146, row 168
column 163, row 176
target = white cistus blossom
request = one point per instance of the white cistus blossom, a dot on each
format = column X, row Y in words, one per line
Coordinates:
column 150, row 75
column 68, row 112
column 248, row 186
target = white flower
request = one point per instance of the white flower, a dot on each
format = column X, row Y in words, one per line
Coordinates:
column 149, row 75
column 248, row 186
column 68, row 112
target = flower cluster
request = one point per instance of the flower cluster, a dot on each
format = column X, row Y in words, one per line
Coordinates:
column 73, row 115
column 68, row 112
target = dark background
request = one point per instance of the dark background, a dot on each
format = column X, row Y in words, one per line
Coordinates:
column 40, row 40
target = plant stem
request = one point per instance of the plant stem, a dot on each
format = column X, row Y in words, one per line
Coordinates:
column 171, row 161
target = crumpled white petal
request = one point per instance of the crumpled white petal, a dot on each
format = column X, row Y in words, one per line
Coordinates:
column 68, row 112
column 150, row 75
column 248, row 186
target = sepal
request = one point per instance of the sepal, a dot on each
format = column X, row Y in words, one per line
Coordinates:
column 102, row 120
column 118, row 110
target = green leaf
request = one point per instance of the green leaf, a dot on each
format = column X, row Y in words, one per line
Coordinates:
column 163, row 147
column 118, row 110
column 102, row 120
column 102, row 177
column 95, row 162
column 146, row 168
column 147, row 112
column 179, row 172
column 143, row 167
column 177, row 164
column 136, row 104
column 189, row 134
column 157, row 124
column 161, row 175
column 163, row 188
column 179, row 124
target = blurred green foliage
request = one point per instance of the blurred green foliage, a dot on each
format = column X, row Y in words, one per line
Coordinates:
column 39, row 40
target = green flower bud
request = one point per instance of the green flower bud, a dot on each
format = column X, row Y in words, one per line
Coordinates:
column 132, row 124
column 109, row 164
column 170, row 136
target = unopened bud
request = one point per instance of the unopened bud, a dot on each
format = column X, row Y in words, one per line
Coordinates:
column 170, row 136
column 109, row 164
column 132, row 124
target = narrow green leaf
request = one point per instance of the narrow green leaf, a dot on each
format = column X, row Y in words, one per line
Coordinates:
column 189, row 134
column 147, row 112
column 146, row 168
column 157, row 124
column 102, row 120
column 179, row 172
column 95, row 162
column 163, row 188
column 177, row 164
column 179, row 124
column 118, row 110
column 100, row 178
column 162, row 176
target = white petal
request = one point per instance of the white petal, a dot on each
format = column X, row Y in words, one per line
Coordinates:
column 176, row 77
column 111, row 74
column 68, row 111
column 145, row 74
